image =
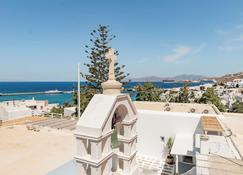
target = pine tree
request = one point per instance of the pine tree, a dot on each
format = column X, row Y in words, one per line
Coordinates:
column 183, row 96
column 148, row 92
column 238, row 107
column 98, row 66
column 209, row 96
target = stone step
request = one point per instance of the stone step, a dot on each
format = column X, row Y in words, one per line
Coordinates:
column 168, row 169
column 167, row 165
column 163, row 173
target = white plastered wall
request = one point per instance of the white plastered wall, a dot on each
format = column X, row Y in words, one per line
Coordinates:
column 152, row 125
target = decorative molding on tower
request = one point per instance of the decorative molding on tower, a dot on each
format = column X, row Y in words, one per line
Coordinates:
column 111, row 86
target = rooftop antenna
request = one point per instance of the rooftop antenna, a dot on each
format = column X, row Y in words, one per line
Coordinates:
column 78, row 96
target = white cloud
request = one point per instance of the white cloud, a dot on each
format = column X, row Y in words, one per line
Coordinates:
column 177, row 53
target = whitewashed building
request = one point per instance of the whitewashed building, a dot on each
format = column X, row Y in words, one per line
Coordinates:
column 10, row 112
column 22, row 108
column 143, row 129
column 69, row 111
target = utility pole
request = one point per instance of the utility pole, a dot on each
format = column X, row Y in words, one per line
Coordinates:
column 78, row 96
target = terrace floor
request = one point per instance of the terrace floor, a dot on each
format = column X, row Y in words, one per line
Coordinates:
column 234, row 122
column 26, row 152
column 23, row 120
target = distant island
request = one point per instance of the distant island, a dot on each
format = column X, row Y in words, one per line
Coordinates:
column 183, row 77
column 190, row 77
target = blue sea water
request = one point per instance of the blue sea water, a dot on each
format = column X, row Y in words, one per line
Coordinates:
column 17, row 87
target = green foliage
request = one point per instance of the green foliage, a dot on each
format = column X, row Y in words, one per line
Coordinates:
column 148, row 92
column 58, row 110
column 86, row 95
column 169, row 144
column 66, row 104
column 114, row 140
column 183, row 96
column 238, row 107
column 211, row 97
column 98, row 66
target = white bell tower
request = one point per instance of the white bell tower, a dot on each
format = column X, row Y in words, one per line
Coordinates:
column 94, row 154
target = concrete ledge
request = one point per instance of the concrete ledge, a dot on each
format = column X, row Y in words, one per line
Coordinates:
column 125, row 157
column 96, row 163
column 125, row 139
column 124, row 122
column 80, row 136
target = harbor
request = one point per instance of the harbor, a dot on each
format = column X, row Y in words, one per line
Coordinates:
column 35, row 93
column 10, row 91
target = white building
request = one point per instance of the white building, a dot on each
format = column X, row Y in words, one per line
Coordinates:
column 143, row 131
column 106, row 112
column 239, row 98
column 194, row 134
column 10, row 112
column 238, row 82
column 155, row 126
column 69, row 111
column 230, row 96
column 22, row 108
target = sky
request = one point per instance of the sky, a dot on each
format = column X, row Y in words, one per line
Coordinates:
column 43, row 40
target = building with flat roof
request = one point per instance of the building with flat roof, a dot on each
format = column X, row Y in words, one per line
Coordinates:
column 142, row 132
column 177, row 107
column 115, row 136
column 10, row 110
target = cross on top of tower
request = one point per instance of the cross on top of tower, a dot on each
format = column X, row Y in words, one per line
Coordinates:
column 111, row 86
column 110, row 55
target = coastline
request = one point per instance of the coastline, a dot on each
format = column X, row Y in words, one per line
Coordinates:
column 29, row 90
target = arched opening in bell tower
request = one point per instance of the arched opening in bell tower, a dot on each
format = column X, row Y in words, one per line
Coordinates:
column 118, row 131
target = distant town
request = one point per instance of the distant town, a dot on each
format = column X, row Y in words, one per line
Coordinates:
column 121, row 87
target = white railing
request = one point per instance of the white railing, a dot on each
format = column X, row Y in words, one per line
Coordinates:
column 52, row 115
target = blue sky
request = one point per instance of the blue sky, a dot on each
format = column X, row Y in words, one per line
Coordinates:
column 43, row 40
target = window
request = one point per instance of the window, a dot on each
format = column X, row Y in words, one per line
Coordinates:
column 187, row 159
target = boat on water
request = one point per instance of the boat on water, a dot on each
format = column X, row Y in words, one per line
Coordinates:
column 53, row 92
column 68, row 92
column 168, row 81
column 131, row 89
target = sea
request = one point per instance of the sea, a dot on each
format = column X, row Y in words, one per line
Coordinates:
column 20, row 87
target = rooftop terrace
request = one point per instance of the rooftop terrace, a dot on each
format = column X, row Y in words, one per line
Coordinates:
column 27, row 152
column 177, row 107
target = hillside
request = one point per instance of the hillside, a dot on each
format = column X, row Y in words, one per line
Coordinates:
column 191, row 77
column 228, row 77
column 183, row 77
